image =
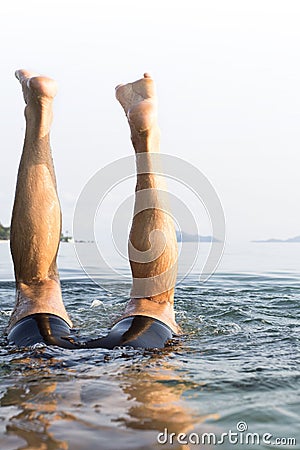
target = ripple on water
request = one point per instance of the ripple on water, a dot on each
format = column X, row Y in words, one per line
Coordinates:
column 238, row 360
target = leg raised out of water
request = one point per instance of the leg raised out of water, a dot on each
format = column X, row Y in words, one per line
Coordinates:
column 36, row 217
column 152, row 233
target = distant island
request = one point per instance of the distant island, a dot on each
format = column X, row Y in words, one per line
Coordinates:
column 64, row 238
column 272, row 240
column 5, row 235
column 182, row 236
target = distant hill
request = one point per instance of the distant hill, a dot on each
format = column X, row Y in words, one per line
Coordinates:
column 272, row 240
column 4, row 233
column 186, row 237
column 181, row 236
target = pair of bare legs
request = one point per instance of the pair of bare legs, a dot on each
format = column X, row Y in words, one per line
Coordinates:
column 36, row 218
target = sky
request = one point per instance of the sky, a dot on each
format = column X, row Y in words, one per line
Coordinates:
column 227, row 76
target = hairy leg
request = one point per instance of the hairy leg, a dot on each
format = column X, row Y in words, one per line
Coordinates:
column 152, row 241
column 36, row 217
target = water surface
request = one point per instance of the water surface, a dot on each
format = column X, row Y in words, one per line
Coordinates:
column 238, row 361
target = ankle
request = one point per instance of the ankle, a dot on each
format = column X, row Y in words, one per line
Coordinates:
column 147, row 140
column 38, row 119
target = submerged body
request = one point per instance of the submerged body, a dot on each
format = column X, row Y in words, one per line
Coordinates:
column 49, row 329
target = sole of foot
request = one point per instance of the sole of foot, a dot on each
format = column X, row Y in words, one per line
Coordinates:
column 138, row 99
column 37, row 89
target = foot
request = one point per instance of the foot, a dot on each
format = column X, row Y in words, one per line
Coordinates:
column 139, row 102
column 38, row 92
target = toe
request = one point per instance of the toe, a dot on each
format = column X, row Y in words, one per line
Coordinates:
column 23, row 75
column 18, row 75
column 118, row 89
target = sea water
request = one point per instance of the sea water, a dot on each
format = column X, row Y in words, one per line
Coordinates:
column 232, row 380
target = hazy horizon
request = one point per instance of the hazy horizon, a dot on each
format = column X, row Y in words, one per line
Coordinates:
column 227, row 76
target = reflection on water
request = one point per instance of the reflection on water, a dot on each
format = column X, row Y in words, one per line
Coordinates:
column 54, row 398
column 36, row 407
